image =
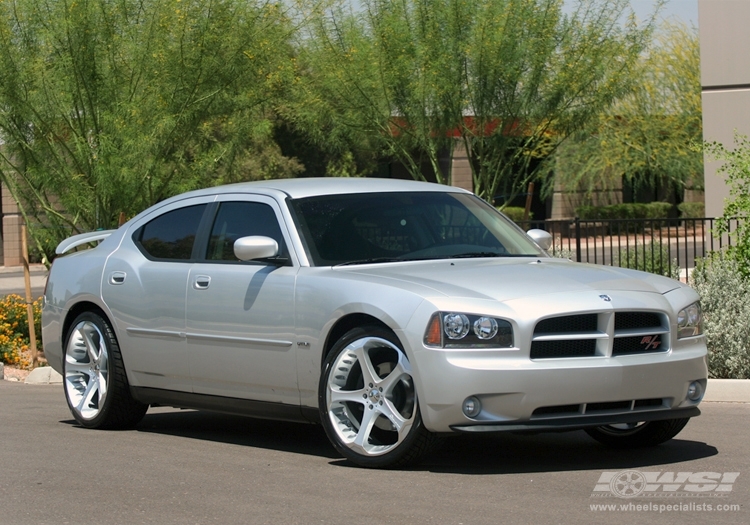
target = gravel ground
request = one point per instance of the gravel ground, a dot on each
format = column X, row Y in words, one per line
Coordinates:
column 11, row 373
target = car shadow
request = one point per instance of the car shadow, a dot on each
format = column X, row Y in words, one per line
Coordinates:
column 501, row 453
column 555, row 451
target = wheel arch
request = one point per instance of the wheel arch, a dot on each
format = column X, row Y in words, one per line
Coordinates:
column 346, row 323
column 76, row 310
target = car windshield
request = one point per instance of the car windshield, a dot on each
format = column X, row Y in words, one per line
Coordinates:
column 405, row 226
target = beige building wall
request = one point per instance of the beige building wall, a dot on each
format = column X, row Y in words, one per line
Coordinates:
column 461, row 175
column 725, row 77
column 12, row 222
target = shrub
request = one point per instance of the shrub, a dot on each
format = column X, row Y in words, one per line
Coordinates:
column 14, row 329
column 515, row 213
column 736, row 170
column 658, row 210
column 692, row 210
column 725, row 299
column 652, row 258
column 636, row 210
column 632, row 211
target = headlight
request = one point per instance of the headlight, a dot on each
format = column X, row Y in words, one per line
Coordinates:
column 690, row 321
column 457, row 330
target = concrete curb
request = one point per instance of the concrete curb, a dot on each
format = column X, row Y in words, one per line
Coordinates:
column 43, row 375
column 728, row 391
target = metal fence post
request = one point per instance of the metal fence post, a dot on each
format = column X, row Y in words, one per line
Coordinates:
column 578, row 239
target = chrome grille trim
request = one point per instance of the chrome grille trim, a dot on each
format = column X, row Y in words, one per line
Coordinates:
column 604, row 334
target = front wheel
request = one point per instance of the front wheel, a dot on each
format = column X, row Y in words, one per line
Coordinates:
column 368, row 402
column 634, row 435
column 96, row 387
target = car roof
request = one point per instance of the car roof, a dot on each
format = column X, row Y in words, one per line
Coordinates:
column 311, row 187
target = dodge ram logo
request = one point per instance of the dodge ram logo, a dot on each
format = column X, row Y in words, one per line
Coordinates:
column 651, row 342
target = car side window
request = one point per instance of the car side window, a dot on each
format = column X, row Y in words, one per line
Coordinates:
column 241, row 219
column 172, row 234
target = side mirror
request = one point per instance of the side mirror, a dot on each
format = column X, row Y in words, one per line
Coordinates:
column 255, row 247
column 541, row 237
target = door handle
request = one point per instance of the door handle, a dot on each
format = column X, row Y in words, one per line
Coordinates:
column 117, row 277
column 201, row 282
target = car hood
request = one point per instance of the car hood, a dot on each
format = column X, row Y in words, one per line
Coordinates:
column 507, row 279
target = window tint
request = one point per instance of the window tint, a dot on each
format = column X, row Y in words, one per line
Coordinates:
column 365, row 227
column 241, row 219
column 172, row 235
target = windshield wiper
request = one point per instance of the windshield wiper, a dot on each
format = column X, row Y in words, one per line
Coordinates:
column 469, row 255
column 373, row 260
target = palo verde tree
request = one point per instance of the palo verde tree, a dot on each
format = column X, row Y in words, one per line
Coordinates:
column 507, row 79
column 109, row 106
column 735, row 167
column 650, row 137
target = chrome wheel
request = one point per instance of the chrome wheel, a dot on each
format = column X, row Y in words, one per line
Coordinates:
column 96, row 385
column 86, row 370
column 368, row 401
column 370, row 396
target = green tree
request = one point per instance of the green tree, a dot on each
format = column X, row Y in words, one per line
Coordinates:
column 736, row 169
column 108, row 106
column 507, row 79
column 650, row 137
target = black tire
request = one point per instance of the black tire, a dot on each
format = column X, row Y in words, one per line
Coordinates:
column 387, row 400
column 96, row 387
column 645, row 434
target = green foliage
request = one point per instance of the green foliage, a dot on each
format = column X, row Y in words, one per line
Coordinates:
column 109, row 106
column 653, row 258
column 725, row 299
column 507, row 79
column 14, row 329
column 736, row 169
column 516, row 213
column 692, row 210
column 650, row 137
column 652, row 210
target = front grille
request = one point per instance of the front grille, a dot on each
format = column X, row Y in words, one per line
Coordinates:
column 637, row 320
column 600, row 334
column 606, row 407
column 641, row 344
column 567, row 324
column 618, row 407
column 564, row 348
column 645, row 403
column 560, row 409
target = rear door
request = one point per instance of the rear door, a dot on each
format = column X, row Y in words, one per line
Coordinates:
column 144, row 285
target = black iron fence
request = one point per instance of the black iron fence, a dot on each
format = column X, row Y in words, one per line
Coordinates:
column 664, row 246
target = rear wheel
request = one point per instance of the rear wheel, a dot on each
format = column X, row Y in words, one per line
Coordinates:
column 634, row 435
column 368, row 402
column 96, row 387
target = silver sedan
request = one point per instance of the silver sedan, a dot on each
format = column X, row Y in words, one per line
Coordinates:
column 390, row 312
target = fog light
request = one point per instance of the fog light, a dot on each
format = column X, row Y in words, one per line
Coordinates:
column 472, row 406
column 695, row 391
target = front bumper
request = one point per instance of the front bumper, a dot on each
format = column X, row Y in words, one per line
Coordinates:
column 573, row 423
column 517, row 393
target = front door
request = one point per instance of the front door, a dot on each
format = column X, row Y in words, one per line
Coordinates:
column 240, row 315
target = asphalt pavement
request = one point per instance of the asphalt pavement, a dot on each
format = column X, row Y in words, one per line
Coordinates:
column 192, row 467
column 12, row 280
